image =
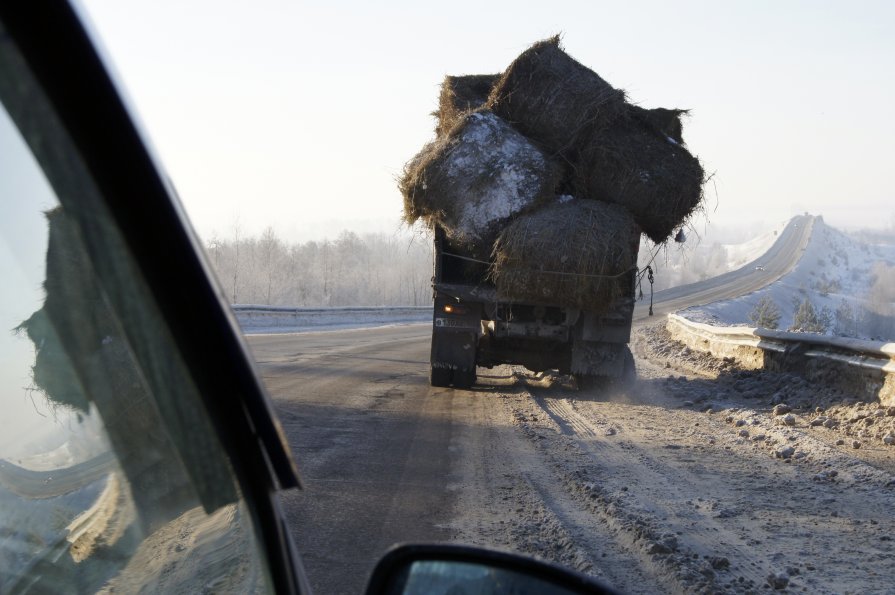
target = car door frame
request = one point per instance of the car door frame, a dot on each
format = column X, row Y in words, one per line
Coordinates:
column 64, row 58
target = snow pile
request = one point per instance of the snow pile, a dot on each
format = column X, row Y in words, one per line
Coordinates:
column 836, row 283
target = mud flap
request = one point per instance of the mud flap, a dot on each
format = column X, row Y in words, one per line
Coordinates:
column 454, row 350
column 599, row 359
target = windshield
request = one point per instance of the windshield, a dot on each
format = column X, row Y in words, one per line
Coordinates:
column 609, row 285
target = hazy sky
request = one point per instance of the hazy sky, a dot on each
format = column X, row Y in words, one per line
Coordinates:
column 301, row 115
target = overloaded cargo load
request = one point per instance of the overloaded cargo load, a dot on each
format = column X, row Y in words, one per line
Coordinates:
column 537, row 187
column 508, row 144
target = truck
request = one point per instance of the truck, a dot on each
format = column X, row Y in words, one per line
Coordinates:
column 472, row 327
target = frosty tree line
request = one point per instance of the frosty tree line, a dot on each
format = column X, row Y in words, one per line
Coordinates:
column 352, row 270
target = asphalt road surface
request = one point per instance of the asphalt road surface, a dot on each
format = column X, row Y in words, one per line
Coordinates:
column 387, row 459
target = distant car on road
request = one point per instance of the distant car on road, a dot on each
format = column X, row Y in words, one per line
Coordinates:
column 759, row 268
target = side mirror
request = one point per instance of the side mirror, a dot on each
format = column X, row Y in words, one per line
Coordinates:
column 446, row 569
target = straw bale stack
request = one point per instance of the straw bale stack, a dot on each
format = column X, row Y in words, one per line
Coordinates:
column 656, row 179
column 574, row 253
column 479, row 175
column 554, row 100
column 459, row 95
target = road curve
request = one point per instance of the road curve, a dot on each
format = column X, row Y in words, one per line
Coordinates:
column 49, row 484
column 775, row 263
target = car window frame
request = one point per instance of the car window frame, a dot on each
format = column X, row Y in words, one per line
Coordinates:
column 63, row 59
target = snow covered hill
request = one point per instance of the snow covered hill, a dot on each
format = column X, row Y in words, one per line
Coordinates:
column 840, row 286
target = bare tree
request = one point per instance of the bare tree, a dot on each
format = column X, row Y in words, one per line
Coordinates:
column 352, row 270
column 237, row 229
column 271, row 249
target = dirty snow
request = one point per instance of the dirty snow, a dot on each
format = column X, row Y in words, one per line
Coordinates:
column 686, row 481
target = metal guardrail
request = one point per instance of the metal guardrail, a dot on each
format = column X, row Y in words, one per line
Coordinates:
column 863, row 366
column 260, row 317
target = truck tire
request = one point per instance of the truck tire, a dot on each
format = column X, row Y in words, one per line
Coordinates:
column 464, row 378
column 440, row 377
column 452, row 359
column 587, row 382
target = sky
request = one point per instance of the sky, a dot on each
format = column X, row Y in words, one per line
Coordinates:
column 300, row 115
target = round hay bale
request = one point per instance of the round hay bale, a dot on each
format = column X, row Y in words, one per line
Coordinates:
column 553, row 99
column 475, row 178
column 656, row 179
column 461, row 94
column 574, row 253
column 666, row 122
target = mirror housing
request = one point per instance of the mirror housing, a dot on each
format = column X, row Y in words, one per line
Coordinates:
column 449, row 568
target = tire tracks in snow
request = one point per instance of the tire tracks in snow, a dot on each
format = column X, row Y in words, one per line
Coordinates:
column 609, row 482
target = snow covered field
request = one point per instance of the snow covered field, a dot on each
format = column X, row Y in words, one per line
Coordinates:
column 845, row 281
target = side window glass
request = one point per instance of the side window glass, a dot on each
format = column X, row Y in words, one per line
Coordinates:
column 111, row 478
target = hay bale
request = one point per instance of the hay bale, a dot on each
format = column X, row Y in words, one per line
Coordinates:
column 475, row 178
column 574, row 253
column 553, row 99
column 666, row 122
column 657, row 180
column 461, row 94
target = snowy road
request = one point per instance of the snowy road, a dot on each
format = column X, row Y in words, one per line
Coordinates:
column 683, row 482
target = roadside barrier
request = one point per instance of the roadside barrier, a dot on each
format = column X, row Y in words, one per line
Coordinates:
column 283, row 319
column 865, row 368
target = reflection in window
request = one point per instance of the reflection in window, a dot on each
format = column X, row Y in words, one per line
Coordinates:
column 100, row 490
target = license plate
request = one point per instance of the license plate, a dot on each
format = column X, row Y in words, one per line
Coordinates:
column 455, row 323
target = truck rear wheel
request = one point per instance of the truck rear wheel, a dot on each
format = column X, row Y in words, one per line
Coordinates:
column 588, row 382
column 440, row 376
column 464, row 378
column 452, row 359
